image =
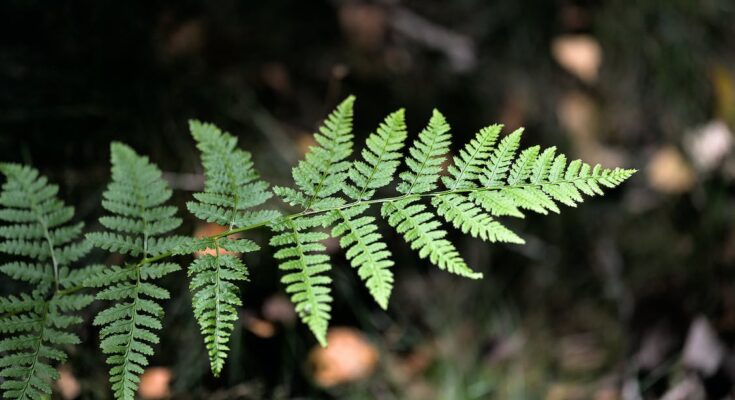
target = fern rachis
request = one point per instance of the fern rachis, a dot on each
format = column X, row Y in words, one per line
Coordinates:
column 488, row 179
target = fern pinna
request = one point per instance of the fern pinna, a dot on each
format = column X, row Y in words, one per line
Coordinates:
column 232, row 189
column 36, row 324
column 488, row 179
column 136, row 226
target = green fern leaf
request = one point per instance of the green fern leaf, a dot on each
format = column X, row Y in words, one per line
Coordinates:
column 232, row 185
column 380, row 158
column 533, row 181
column 213, row 282
column 135, row 197
column 460, row 209
column 359, row 237
column 426, row 157
column 231, row 189
column 303, row 259
column 36, row 325
column 412, row 219
column 366, row 252
column 324, row 170
column 319, row 177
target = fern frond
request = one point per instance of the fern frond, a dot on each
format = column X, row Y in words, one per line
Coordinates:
column 37, row 324
column 323, row 171
column 459, row 208
column 359, row 237
column 487, row 179
column 232, row 188
column 319, row 177
column 136, row 199
column 412, row 219
column 302, row 258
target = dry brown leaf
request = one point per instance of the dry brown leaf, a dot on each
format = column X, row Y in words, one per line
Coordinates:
column 365, row 24
column 276, row 76
column 154, row 383
column 304, row 141
column 581, row 55
column 709, row 144
column 578, row 114
column 349, row 357
column 567, row 391
column 67, row 384
column 260, row 328
column 185, row 39
column 668, row 172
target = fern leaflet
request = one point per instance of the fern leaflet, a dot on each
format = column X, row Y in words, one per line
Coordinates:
column 458, row 208
column 303, row 259
column 359, row 237
column 412, row 219
column 232, row 188
column 319, row 176
column 37, row 325
column 135, row 198
column 321, row 173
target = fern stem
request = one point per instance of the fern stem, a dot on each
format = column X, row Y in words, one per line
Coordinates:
column 134, row 314
column 218, row 301
column 37, row 352
column 162, row 256
column 49, row 242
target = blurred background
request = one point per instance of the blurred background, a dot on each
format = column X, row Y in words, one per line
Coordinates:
column 630, row 296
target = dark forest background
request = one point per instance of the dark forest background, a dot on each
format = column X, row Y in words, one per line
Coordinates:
column 630, row 296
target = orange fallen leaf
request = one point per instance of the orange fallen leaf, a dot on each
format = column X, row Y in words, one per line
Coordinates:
column 349, row 357
column 67, row 384
column 581, row 55
column 154, row 383
column 668, row 172
column 260, row 328
column 364, row 24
